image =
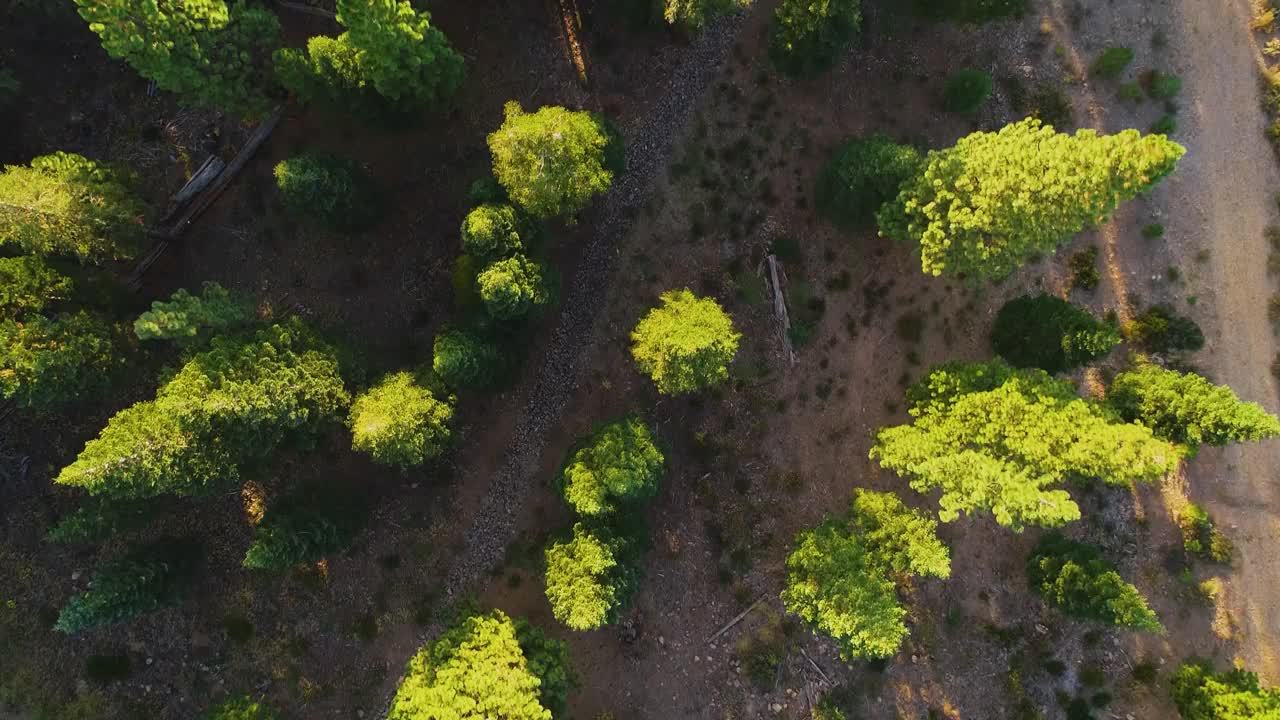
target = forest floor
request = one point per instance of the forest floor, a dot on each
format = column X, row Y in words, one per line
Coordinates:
column 724, row 154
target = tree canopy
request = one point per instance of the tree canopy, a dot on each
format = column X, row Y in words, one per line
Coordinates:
column 861, row 175
column 981, row 207
column 1202, row 694
column 208, row 52
column 186, row 317
column 1188, row 409
column 1049, row 333
column 464, row 359
column 997, row 439
column 327, row 188
column 492, row 231
column 694, row 14
column 400, row 422
column 513, row 287
column 619, row 465
column 553, row 161
column 45, row 361
column 590, row 577
column 147, row 579
column 398, row 51
column 1074, row 577
column 686, row 344
column 808, row 35
column 66, row 204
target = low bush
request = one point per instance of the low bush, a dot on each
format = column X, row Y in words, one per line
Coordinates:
column 465, row 360
column 1161, row 86
column 861, row 175
column 1166, row 125
column 1201, row 537
column 1160, row 329
column 1073, row 577
column 1084, row 268
column 240, row 707
column 966, row 91
column 1112, row 62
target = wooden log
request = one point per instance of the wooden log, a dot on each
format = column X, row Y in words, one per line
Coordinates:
column 815, row 666
column 303, row 8
column 780, row 311
column 736, row 620
column 204, row 175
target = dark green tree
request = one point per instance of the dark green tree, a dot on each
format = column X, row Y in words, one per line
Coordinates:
column 101, row 518
column 465, row 360
column 400, row 422
column 686, row 344
column 148, row 579
column 553, row 161
column 65, row 204
column 1049, row 333
column 206, row 51
column 1160, row 329
column 590, row 577
column 1202, row 694
column 1073, row 576
column 618, row 466
column 861, row 175
column 186, row 317
column 333, row 190
column 292, row 536
column 1187, row 409
column 808, row 35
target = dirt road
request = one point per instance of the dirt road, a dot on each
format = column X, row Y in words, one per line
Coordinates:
column 1230, row 179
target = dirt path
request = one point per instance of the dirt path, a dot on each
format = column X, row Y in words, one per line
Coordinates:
column 1230, row 177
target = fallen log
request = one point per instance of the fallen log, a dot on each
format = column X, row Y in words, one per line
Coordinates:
column 309, row 9
column 780, row 311
column 205, row 174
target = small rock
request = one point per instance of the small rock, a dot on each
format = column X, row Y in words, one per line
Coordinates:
column 776, row 707
column 75, row 574
column 1042, row 629
column 662, row 640
column 359, row 713
column 150, row 660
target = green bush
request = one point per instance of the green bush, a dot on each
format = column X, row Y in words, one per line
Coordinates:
column 1050, row 333
column 330, row 189
column 1161, row 85
column 400, row 422
column 100, row 519
column 617, row 467
column 1202, row 694
column 513, row 287
column 1160, row 329
column 1166, row 125
column 553, row 161
column 491, row 232
column 465, row 360
column 1073, row 577
column 1200, row 536
column 861, row 175
column 966, row 91
column 686, row 344
column 1084, row 268
column 1112, row 62
column 694, row 14
column 292, row 536
column 590, row 577
column 186, row 317
column 808, row 35
column 153, row 577
column 1188, row 409
column 240, row 707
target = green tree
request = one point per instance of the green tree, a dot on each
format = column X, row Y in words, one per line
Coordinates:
column 47, row 361
column 65, row 204
column 996, row 439
column 511, row 288
column 492, row 231
column 618, row 466
column 983, row 206
column 148, row 579
column 206, row 51
column 485, row 666
column 553, row 161
column 234, row 403
column 1188, row 409
column 328, row 73
column 686, row 344
column 240, row 707
column 464, row 360
column 694, row 14
column 967, row 89
column 100, row 519
column 399, row 53
column 1074, row 577
column 292, row 536
column 590, row 578
column 840, row 576
column 808, row 35
column 1050, row 333
column 186, row 317
column 28, row 284
column 333, row 190
column 1202, row 694
column 400, row 422
column 861, row 175
column 1160, row 329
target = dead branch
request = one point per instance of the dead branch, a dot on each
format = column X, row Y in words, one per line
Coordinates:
column 815, row 666
column 736, row 620
column 320, row 12
column 780, row 311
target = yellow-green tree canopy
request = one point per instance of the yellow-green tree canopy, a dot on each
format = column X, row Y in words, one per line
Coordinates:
column 44, row 361
column 983, row 206
column 66, row 204
column 590, row 577
column 400, row 422
column 694, row 14
column 686, row 344
column 1001, row 440
column 553, row 161
column 185, row 317
column 1202, row 694
column 620, row 464
column 512, row 287
column 1188, row 409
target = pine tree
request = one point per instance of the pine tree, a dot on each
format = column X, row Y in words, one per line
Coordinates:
column 1074, row 577
column 1049, row 333
column 589, row 578
column 861, row 175
column 465, row 360
column 553, row 161
column 513, row 287
column 28, row 284
column 996, row 439
column 292, row 536
column 208, row 52
column 686, row 344
column 399, row 53
column 808, row 35
column 618, row 466
column 329, row 189
column 400, row 422
column 982, row 207
column 899, row 539
column 145, row 580
column 65, row 204
column 485, row 666
column 1202, row 694
column 47, row 361
column 492, row 231
column 236, row 402
column 100, row 519
column 186, row 317
column 1188, row 409
column 694, row 14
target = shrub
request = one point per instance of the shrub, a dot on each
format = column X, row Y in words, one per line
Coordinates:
column 686, row 344
column 1188, row 409
column 618, row 466
column 331, row 189
column 513, row 287
column 1152, row 231
column 1112, row 62
column 485, row 666
column 465, row 360
column 399, row 422
column 694, row 14
column 807, row 36
column 1160, row 329
column 1084, row 268
column 954, row 209
column 590, row 578
column 1162, row 86
column 184, row 317
column 100, row 519
column 292, row 536
column 491, row 231
column 1200, row 536
column 153, row 577
column 1073, row 577
column 966, row 91
column 553, row 161
column 1166, row 125
column 1202, row 694
column 861, row 175
column 66, row 204
column 240, row 707
column 1050, row 333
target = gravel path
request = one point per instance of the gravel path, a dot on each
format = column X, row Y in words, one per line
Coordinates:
column 649, row 146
